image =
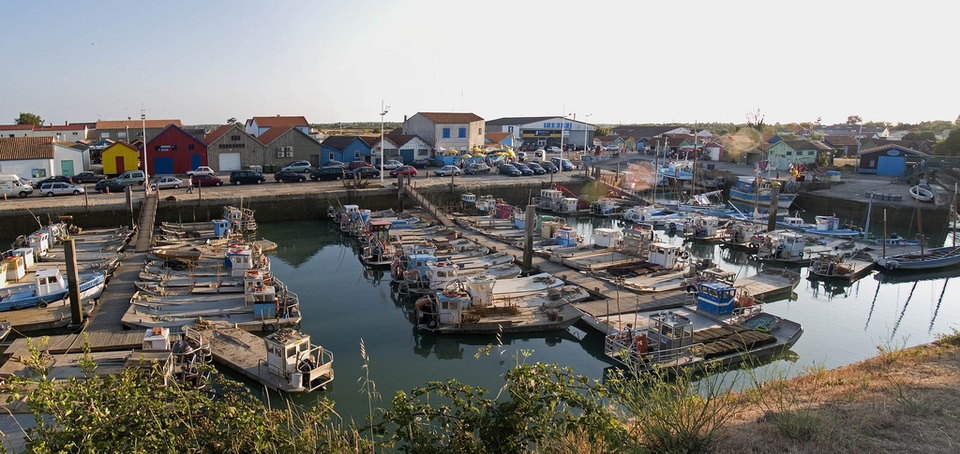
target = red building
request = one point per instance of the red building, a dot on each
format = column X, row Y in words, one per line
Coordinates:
column 174, row 151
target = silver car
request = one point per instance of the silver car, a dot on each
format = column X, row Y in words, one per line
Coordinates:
column 60, row 188
column 167, row 182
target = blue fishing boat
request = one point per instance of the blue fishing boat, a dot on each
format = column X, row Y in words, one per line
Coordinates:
column 757, row 192
column 49, row 286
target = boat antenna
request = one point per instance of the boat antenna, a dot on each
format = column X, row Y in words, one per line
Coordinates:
column 35, row 218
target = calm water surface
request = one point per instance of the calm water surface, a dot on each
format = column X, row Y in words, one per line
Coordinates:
column 343, row 305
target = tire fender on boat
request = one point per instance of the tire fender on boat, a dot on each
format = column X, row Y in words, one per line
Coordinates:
column 268, row 327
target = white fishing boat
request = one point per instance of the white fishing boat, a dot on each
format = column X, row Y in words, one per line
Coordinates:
column 757, row 191
column 49, row 286
column 927, row 259
column 710, row 334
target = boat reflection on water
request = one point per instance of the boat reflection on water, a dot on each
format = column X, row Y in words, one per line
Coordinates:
column 830, row 288
column 427, row 344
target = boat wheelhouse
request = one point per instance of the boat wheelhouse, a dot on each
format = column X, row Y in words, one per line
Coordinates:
column 750, row 192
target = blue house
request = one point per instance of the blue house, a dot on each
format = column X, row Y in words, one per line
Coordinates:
column 890, row 160
column 346, row 149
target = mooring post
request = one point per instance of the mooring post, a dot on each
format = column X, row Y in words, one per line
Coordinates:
column 774, row 195
column 531, row 215
column 73, row 283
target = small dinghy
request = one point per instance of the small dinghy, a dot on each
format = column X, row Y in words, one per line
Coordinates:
column 922, row 192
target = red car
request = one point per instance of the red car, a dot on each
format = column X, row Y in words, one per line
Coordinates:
column 356, row 164
column 206, row 180
column 405, row 170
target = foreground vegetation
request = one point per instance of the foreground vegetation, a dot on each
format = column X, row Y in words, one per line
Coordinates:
column 902, row 400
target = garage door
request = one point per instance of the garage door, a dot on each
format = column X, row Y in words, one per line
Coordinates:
column 891, row 165
column 229, row 161
column 162, row 166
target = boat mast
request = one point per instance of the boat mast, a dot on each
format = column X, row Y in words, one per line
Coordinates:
column 953, row 206
column 884, row 242
column 920, row 227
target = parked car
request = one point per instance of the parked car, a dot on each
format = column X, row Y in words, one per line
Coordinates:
column 357, row 164
column 526, row 171
column 206, row 180
column 11, row 185
column 111, row 185
column 507, row 169
column 521, row 156
column 289, row 175
column 87, row 177
column 367, row 171
column 327, row 173
column 565, row 164
column 131, row 177
column 246, row 176
column 60, row 188
column 476, row 168
column 299, row 166
column 53, row 179
column 420, row 163
column 612, row 147
column 536, row 168
column 447, row 171
column 549, row 166
column 392, row 165
column 335, row 163
column 553, row 149
column 166, row 182
column 202, row 170
column 405, row 170
column 539, row 153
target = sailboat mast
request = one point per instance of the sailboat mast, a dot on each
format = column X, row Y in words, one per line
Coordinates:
column 884, row 242
column 920, row 227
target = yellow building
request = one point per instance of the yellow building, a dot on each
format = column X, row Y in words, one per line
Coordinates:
column 120, row 157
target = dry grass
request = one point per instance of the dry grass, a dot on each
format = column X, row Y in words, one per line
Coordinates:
column 900, row 401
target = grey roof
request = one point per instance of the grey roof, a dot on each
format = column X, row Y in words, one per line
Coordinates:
column 339, row 142
column 506, row 121
column 643, row 132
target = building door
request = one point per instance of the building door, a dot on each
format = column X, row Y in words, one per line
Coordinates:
column 229, row 161
column 120, row 164
column 162, row 166
column 195, row 161
column 66, row 168
column 891, row 165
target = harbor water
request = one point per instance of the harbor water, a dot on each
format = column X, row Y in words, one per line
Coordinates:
column 351, row 310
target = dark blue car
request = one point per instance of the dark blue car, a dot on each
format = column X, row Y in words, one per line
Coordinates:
column 526, row 171
column 507, row 169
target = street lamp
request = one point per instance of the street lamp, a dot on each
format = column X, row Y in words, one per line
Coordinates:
column 146, row 173
column 383, row 111
column 586, row 131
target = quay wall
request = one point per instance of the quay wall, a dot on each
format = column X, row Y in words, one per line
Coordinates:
column 898, row 215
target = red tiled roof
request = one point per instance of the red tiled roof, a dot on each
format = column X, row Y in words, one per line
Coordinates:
column 273, row 133
column 26, row 148
column 217, row 133
column 17, row 127
column 273, row 122
column 63, row 128
column 451, row 117
column 135, row 124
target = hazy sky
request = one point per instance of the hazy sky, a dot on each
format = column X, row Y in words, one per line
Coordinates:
column 622, row 61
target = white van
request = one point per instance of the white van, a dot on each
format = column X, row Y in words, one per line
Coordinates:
column 12, row 185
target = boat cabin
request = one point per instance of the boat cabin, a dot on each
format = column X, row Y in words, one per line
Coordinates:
column 784, row 246
column 827, row 223
column 240, row 257
column 669, row 333
column 440, row 273
column 485, row 205
column 39, row 242
column 605, row 206
column 448, row 308
column 703, row 227
column 49, row 281
column 549, row 199
column 715, row 298
column 604, row 237
column 468, row 199
column 15, row 268
column 258, row 292
column 663, row 254
column 567, row 237
column 3, row 274
column 221, row 228
column 241, row 218
column 794, row 223
column 290, row 355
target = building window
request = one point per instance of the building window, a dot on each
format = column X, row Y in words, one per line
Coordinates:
column 104, row 135
column 121, row 135
column 190, row 147
column 331, row 158
column 38, row 173
column 480, row 131
column 237, row 137
column 356, row 154
column 463, row 132
column 446, row 133
column 74, row 133
column 509, row 128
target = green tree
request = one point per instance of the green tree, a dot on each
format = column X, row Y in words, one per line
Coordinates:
column 854, row 120
column 951, row 145
column 27, row 118
column 921, row 135
column 601, row 131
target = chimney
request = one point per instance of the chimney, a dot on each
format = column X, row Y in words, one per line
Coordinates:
column 404, row 118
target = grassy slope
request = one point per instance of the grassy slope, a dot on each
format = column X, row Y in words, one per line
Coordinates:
column 901, row 401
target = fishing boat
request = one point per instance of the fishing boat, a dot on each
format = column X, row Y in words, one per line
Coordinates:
column 922, row 192
column 642, row 213
column 836, row 266
column 49, row 286
column 284, row 361
column 928, row 259
column 823, row 225
column 477, row 306
column 560, row 200
column 783, row 246
column 757, row 191
column 711, row 334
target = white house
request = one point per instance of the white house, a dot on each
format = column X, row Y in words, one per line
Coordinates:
column 447, row 130
column 40, row 157
column 410, row 147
